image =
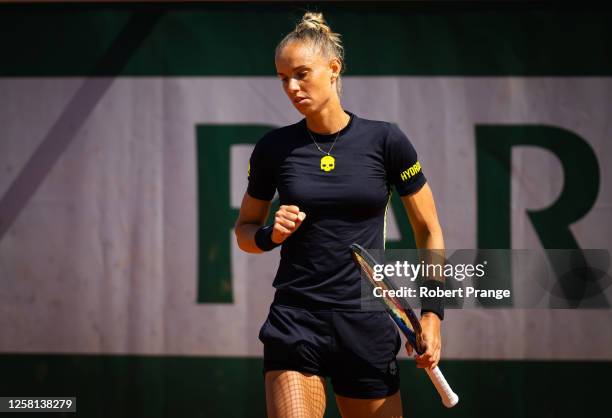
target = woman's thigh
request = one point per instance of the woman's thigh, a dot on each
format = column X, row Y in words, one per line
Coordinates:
column 389, row 407
column 292, row 394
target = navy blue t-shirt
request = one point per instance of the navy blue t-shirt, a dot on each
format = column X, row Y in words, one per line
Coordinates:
column 345, row 201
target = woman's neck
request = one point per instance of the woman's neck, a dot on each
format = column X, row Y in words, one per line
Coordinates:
column 328, row 121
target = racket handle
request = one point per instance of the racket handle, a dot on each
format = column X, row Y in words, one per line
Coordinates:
column 449, row 398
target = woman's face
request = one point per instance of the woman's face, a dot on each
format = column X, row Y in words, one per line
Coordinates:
column 308, row 78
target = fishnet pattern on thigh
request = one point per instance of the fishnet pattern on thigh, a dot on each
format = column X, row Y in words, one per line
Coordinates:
column 291, row 394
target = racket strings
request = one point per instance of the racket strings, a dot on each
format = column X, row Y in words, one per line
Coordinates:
column 293, row 394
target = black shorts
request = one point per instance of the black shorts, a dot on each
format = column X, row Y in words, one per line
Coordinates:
column 356, row 349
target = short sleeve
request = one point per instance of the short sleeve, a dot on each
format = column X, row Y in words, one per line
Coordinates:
column 401, row 163
column 261, row 172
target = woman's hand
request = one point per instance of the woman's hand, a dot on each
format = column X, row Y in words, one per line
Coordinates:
column 430, row 324
column 287, row 220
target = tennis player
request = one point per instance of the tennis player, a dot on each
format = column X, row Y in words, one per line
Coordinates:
column 334, row 172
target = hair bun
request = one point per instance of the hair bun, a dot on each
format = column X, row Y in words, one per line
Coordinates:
column 314, row 21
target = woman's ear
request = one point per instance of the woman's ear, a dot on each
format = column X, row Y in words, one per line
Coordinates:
column 335, row 67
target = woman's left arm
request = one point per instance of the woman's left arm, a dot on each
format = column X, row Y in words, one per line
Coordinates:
column 421, row 211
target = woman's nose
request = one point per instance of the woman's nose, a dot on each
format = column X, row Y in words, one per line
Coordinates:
column 293, row 85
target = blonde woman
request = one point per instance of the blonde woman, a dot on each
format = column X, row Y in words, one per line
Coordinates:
column 334, row 172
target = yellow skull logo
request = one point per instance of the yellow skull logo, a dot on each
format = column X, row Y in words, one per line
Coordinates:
column 328, row 163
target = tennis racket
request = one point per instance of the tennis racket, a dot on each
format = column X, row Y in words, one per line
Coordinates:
column 405, row 319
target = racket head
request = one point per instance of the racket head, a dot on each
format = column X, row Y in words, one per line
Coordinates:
column 398, row 308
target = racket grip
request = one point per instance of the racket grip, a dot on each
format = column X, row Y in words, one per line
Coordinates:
column 449, row 398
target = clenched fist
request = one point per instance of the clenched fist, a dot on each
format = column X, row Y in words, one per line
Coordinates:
column 287, row 220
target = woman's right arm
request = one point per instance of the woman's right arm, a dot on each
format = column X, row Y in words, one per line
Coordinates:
column 253, row 214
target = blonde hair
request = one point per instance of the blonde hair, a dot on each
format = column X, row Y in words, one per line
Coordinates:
column 313, row 30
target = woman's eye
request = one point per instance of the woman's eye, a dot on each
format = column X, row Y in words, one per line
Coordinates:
column 302, row 75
